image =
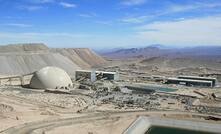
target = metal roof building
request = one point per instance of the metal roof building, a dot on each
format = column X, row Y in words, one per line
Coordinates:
column 214, row 80
column 190, row 82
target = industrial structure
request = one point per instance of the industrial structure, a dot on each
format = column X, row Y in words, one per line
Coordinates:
column 189, row 82
column 193, row 81
column 214, row 80
column 85, row 74
column 52, row 78
column 94, row 75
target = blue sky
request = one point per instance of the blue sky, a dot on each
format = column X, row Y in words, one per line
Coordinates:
column 103, row 24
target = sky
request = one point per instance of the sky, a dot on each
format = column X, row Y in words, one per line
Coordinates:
column 101, row 24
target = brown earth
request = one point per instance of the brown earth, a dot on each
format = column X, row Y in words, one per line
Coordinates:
column 27, row 58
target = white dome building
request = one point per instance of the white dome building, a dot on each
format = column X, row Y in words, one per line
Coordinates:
column 51, row 78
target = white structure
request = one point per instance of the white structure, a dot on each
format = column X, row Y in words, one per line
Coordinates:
column 50, row 77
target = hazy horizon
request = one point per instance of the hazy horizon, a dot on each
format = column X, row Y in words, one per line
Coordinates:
column 100, row 24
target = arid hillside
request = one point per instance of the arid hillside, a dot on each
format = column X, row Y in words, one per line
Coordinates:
column 161, row 60
column 27, row 58
column 83, row 57
column 181, row 64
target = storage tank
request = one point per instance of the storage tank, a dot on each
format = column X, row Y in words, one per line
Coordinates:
column 52, row 78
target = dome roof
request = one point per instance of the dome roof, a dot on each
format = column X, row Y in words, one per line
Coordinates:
column 50, row 77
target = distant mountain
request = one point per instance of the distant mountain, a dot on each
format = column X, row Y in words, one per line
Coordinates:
column 150, row 51
column 157, row 50
column 105, row 50
column 159, row 46
column 202, row 50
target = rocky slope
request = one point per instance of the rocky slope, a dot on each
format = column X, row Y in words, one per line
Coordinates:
column 83, row 57
column 26, row 58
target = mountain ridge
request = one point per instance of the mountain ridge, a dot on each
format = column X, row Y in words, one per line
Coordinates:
column 159, row 50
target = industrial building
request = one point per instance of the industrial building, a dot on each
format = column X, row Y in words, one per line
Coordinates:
column 214, row 80
column 108, row 75
column 94, row 75
column 85, row 74
column 189, row 82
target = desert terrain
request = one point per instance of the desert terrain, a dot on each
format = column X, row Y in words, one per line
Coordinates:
column 104, row 106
